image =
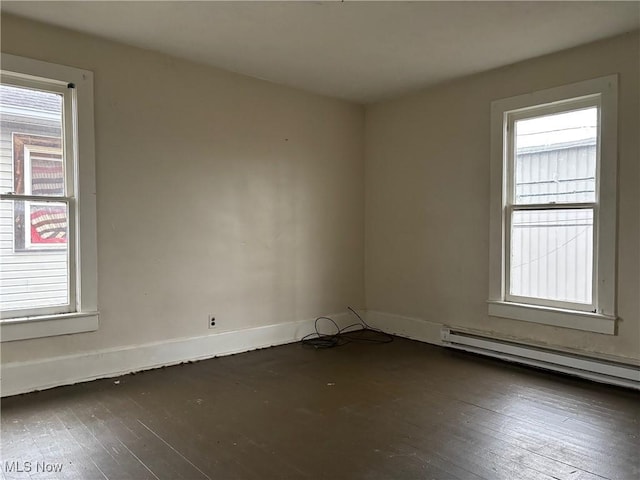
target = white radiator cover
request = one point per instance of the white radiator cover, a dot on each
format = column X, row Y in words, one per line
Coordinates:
column 573, row 364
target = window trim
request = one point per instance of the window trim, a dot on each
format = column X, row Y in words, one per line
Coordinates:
column 84, row 318
column 603, row 320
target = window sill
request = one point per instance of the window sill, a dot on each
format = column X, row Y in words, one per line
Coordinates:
column 557, row 317
column 47, row 326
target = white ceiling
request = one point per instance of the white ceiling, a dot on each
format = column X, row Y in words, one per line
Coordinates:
column 360, row 51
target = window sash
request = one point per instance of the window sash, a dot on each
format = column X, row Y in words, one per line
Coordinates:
column 510, row 206
column 547, row 302
column 69, row 119
column 71, row 306
column 69, row 160
column 511, row 117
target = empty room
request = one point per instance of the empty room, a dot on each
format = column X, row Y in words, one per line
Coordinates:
column 320, row 239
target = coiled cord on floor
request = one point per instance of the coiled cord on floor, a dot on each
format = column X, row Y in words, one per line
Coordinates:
column 358, row 332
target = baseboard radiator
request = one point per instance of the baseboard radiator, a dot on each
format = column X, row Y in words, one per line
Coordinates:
column 603, row 371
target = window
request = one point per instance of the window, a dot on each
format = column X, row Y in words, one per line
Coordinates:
column 553, row 206
column 48, row 283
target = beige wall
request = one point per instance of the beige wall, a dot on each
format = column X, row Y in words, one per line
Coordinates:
column 217, row 193
column 427, row 197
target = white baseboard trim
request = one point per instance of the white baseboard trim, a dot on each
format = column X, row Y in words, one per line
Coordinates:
column 407, row 327
column 23, row 377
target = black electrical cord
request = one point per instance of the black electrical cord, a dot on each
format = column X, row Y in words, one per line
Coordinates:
column 359, row 332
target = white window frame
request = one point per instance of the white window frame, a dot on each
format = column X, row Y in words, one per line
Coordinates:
column 599, row 317
column 79, row 149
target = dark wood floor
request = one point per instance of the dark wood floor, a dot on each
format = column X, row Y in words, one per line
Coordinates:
column 402, row 410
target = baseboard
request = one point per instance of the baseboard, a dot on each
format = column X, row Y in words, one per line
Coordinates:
column 407, row 327
column 23, row 377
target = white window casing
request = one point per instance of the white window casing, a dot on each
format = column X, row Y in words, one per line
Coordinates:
column 80, row 197
column 600, row 315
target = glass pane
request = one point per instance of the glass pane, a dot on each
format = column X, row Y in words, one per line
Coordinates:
column 552, row 255
column 555, row 158
column 31, row 129
column 36, row 274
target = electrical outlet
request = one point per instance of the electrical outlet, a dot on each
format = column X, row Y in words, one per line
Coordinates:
column 212, row 321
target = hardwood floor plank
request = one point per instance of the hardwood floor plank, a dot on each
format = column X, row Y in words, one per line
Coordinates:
column 100, row 444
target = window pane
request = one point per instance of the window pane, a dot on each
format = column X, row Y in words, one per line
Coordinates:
column 38, row 275
column 31, row 126
column 552, row 254
column 555, row 157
